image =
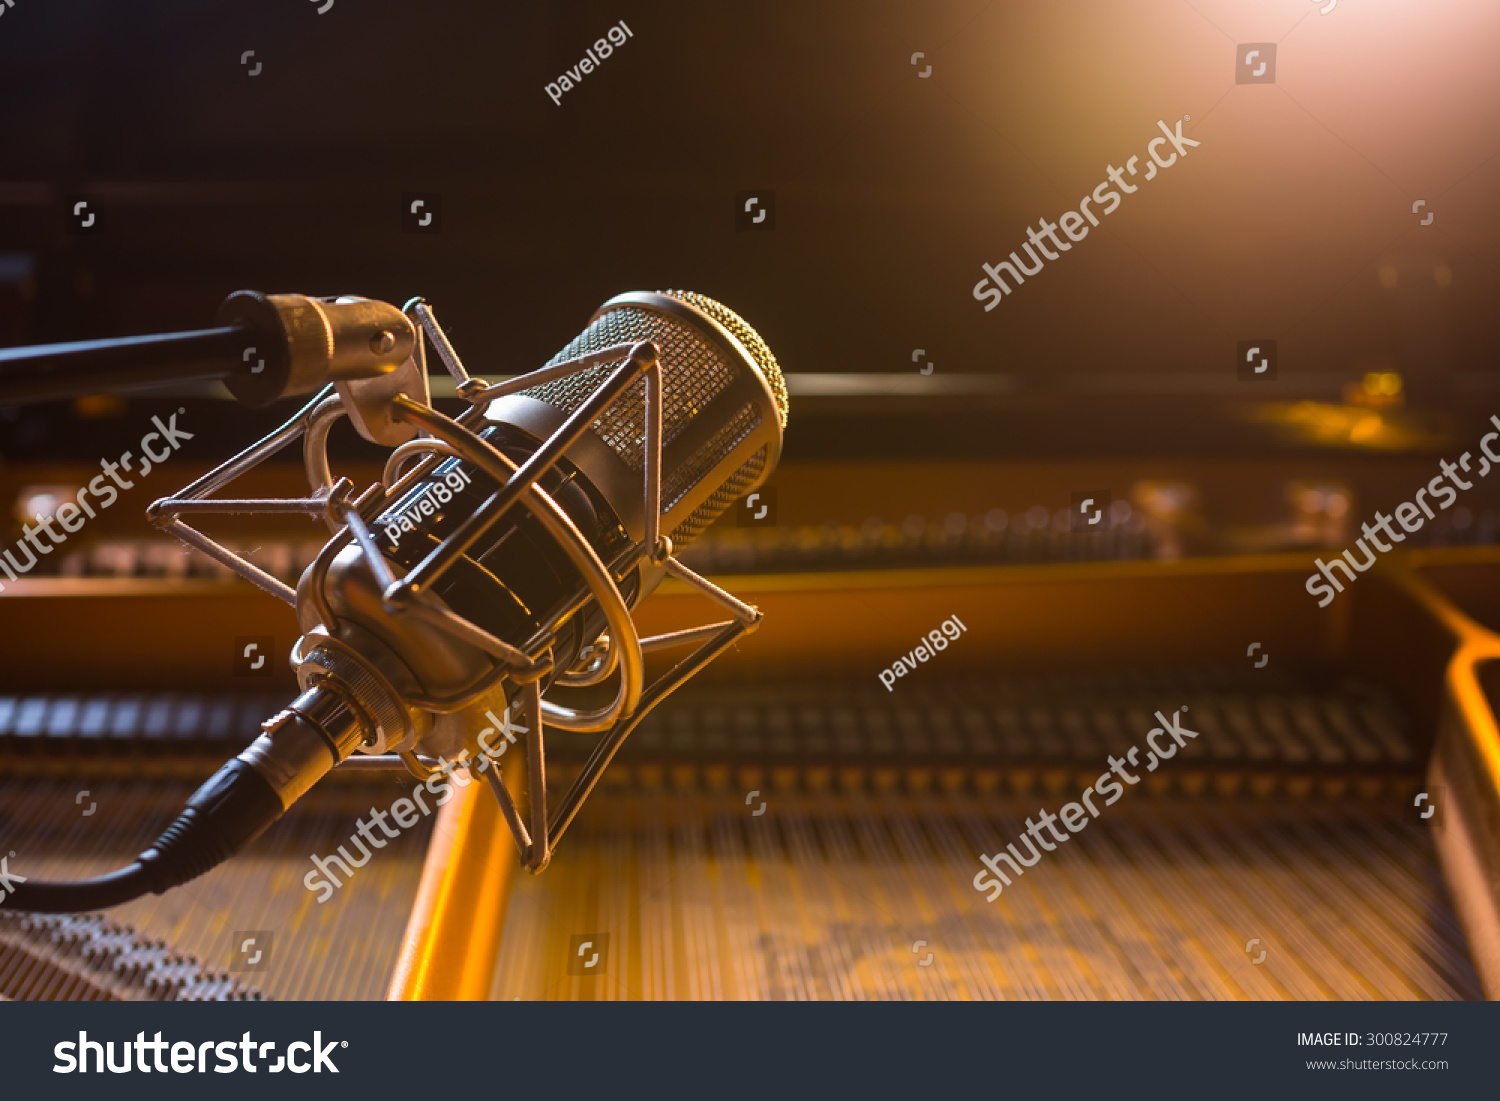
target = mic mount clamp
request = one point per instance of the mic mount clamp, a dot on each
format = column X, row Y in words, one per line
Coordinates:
column 264, row 347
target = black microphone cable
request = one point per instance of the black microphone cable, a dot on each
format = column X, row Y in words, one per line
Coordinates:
column 234, row 807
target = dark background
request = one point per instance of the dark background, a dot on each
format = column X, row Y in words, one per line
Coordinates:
column 1292, row 221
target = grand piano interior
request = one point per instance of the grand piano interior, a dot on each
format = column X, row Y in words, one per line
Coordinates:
column 788, row 826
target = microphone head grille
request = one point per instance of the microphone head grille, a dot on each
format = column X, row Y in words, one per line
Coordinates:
column 765, row 362
column 724, row 400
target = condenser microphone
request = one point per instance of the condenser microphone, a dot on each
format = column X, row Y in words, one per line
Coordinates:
column 722, row 412
column 498, row 562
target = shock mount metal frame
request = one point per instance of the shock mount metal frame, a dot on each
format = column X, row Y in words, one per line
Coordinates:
column 438, row 437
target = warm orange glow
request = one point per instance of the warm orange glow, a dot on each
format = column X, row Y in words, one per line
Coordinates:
column 453, row 938
column 1345, row 425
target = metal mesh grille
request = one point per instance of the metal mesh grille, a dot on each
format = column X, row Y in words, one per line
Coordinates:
column 694, row 372
column 728, row 493
column 679, row 481
column 769, row 368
